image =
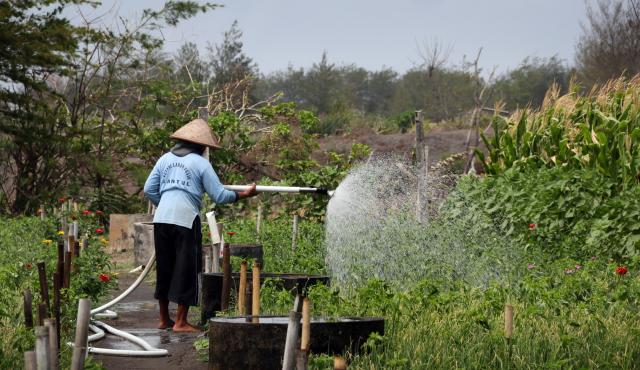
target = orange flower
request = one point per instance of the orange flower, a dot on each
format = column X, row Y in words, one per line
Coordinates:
column 231, row 233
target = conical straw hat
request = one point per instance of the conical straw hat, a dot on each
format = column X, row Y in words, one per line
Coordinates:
column 197, row 131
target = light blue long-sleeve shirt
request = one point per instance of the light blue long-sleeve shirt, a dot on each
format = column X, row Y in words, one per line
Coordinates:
column 176, row 185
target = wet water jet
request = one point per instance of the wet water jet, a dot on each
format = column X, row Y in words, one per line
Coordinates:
column 372, row 231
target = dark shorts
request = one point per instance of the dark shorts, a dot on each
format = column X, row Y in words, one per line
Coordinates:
column 178, row 262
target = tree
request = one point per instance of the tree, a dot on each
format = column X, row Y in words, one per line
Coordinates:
column 528, row 84
column 72, row 99
column 228, row 62
column 189, row 67
column 610, row 44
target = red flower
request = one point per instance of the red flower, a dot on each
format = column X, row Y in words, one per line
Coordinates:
column 86, row 213
column 231, row 233
column 28, row 266
column 99, row 231
column 621, row 270
column 99, row 213
column 61, row 200
column 532, row 227
column 104, row 277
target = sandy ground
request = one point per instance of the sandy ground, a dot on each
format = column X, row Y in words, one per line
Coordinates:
column 138, row 315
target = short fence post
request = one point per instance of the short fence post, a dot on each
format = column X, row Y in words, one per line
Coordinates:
column 339, row 363
column 42, row 348
column 67, row 269
column 28, row 309
column 305, row 337
column 42, row 313
column 30, row 362
column 255, row 291
column 288, row 362
column 56, row 304
column 82, row 330
column 44, row 287
column 226, row 277
column 294, row 233
column 259, row 220
column 53, row 342
column 242, row 289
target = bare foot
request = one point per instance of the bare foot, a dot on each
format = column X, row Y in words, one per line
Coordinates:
column 166, row 324
column 185, row 328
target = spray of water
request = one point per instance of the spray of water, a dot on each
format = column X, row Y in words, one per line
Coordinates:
column 373, row 231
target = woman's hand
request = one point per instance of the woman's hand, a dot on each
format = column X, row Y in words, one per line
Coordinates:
column 251, row 192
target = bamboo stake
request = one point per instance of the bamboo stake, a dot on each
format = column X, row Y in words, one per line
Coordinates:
column 42, row 212
column 305, row 338
column 226, row 277
column 42, row 313
column 82, row 329
column 302, row 360
column 259, row 220
column 242, row 289
column 294, row 233
column 42, row 348
column 508, row 321
column 57, row 282
column 28, row 309
column 255, row 291
column 67, row 269
column 339, row 363
column 44, row 287
column 60, row 264
column 293, row 330
column 53, row 342
column 30, row 360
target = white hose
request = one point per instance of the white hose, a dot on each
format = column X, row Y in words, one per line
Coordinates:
column 148, row 350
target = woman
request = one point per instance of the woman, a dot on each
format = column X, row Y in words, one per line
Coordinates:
column 176, row 185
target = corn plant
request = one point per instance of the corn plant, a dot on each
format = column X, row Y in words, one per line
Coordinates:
column 598, row 131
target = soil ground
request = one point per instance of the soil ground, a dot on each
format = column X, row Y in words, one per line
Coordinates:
column 138, row 314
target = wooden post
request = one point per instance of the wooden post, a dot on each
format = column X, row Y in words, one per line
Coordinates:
column 42, row 313
column 305, row 339
column 60, row 264
column 57, row 284
column 206, row 254
column 421, row 165
column 508, row 321
column 339, row 363
column 76, row 248
column 259, row 219
column 288, row 362
column 42, row 212
column 28, row 309
column 30, row 362
column 294, row 233
column 65, row 230
column 215, row 252
column 82, row 330
column 53, row 342
column 67, row 269
column 255, row 291
column 44, row 287
column 226, row 277
column 419, row 137
column 42, row 348
column 302, row 360
column 242, row 289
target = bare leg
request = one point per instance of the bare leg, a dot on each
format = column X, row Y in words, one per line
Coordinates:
column 181, row 325
column 165, row 320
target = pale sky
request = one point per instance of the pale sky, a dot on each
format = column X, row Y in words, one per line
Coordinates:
column 375, row 34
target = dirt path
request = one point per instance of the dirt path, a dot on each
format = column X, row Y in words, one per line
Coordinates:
column 138, row 316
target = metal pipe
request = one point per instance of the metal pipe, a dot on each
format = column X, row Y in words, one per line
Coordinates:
column 281, row 189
